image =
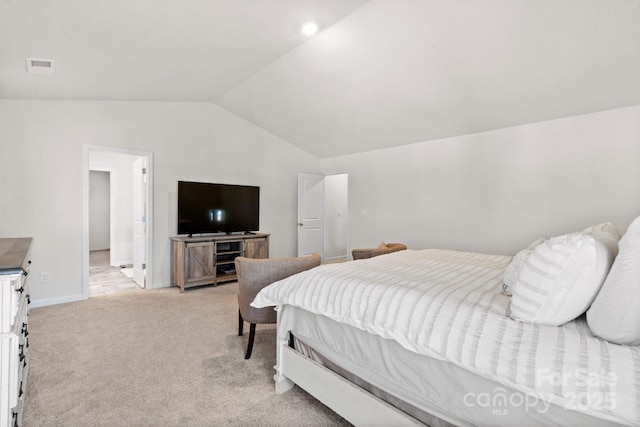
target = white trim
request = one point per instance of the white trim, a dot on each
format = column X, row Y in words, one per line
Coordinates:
column 119, row 263
column 86, row 148
column 85, row 222
column 162, row 285
column 55, row 301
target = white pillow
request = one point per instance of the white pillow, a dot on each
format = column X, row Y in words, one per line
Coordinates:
column 560, row 279
column 615, row 313
column 605, row 227
column 512, row 270
column 608, row 233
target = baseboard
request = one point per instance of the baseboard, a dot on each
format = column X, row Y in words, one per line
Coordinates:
column 74, row 298
column 120, row 263
column 159, row 286
column 54, row 301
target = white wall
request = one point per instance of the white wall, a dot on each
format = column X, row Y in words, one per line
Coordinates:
column 122, row 202
column 494, row 192
column 99, row 206
column 497, row 191
column 41, row 175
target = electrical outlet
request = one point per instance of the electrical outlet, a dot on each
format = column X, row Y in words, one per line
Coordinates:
column 44, row 277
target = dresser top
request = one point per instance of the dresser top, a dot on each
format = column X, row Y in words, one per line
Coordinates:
column 14, row 254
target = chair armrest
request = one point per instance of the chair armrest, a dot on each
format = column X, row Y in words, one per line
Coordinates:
column 371, row 252
column 394, row 247
column 361, row 253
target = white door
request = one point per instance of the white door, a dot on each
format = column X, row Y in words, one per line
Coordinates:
column 310, row 214
column 139, row 220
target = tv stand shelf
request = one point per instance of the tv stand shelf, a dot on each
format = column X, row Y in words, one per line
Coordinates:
column 209, row 260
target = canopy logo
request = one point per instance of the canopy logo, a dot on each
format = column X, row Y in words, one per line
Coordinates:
column 499, row 400
column 580, row 390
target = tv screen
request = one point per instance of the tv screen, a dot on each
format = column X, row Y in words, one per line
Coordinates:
column 217, row 208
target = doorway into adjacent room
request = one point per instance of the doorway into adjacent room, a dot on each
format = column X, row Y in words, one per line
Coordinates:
column 117, row 213
column 104, row 278
column 323, row 216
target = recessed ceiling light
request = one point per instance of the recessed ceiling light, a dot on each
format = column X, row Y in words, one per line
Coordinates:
column 310, row 28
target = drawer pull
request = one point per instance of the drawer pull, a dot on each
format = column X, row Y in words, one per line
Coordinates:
column 22, row 357
column 20, row 290
column 14, row 418
column 28, row 298
column 25, row 273
column 25, row 330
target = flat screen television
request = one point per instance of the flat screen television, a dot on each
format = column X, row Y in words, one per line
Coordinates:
column 217, row 208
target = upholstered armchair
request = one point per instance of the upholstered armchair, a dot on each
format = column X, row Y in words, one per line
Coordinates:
column 381, row 249
column 253, row 275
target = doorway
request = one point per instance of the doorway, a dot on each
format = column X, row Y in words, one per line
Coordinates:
column 323, row 216
column 117, row 214
column 106, row 274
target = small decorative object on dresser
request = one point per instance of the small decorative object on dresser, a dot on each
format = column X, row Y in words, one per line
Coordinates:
column 209, row 260
column 14, row 341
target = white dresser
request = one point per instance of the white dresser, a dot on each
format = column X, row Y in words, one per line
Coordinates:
column 14, row 332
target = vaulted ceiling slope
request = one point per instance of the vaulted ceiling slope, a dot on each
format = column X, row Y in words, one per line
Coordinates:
column 380, row 73
column 399, row 72
column 149, row 50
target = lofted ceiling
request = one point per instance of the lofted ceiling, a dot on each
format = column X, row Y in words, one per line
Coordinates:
column 380, row 73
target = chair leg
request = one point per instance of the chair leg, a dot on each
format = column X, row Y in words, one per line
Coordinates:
column 240, row 324
column 252, row 334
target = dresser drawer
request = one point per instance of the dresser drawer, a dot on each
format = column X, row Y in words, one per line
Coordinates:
column 12, row 290
column 14, row 328
column 14, row 358
column 22, row 331
column 18, row 358
column 16, row 415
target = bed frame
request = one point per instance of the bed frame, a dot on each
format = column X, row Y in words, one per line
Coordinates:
column 354, row 404
column 362, row 408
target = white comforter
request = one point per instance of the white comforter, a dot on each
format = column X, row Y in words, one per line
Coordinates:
column 448, row 304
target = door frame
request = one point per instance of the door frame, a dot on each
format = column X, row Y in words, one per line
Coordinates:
column 140, row 211
column 86, row 149
column 325, row 230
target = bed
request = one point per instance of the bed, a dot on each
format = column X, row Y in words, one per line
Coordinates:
column 426, row 337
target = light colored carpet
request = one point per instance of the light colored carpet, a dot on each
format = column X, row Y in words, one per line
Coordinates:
column 157, row 358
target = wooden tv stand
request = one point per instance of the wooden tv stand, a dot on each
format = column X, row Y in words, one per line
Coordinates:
column 209, row 260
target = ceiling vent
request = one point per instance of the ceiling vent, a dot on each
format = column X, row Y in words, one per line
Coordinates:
column 41, row 66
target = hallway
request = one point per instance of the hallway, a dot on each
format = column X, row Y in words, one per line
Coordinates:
column 104, row 279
